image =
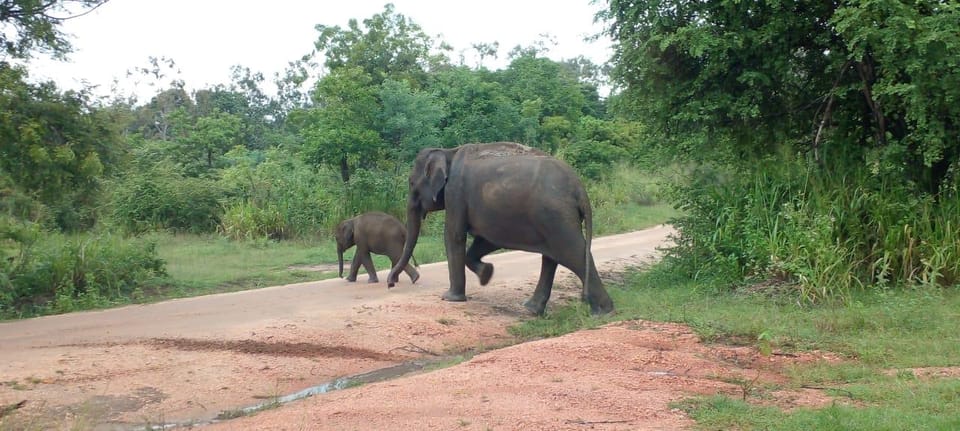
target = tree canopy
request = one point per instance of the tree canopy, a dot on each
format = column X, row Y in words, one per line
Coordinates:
column 871, row 79
column 27, row 26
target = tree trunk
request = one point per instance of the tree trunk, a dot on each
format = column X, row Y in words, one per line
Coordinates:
column 344, row 169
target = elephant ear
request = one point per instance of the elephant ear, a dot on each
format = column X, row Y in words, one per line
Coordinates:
column 346, row 232
column 436, row 173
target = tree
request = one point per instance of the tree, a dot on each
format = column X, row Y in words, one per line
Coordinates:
column 158, row 118
column 27, row 26
column 409, row 119
column 201, row 145
column 340, row 130
column 531, row 78
column 54, row 146
column 872, row 81
column 388, row 45
column 477, row 107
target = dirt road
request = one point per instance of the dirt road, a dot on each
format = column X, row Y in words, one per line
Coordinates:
column 190, row 361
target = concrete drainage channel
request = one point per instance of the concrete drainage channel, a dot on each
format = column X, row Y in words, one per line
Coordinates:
column 374, row 376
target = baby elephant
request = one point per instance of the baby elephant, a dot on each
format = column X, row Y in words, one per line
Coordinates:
column 372, row 232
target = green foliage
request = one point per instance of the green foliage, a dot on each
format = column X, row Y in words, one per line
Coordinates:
column 203, row 264
column 54, row 147
column 477, row 106
column 409, row 119
column 919, row 406
column 162, row 198
column 341, row 132
column 54, row 273
column 830, row 130
column 387, row 45
column 375, row 191
column 627, row 199
column 33, row 25
column 824, row 235
column 200, row 146
column 243, row 220
column 555, row 88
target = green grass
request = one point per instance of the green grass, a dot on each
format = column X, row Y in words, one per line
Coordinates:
column 880, row 333
column 209, row 264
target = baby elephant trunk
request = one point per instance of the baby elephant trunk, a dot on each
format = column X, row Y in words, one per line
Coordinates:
column 340, row 260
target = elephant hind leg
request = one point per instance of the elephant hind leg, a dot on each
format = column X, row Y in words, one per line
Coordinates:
column 367, row 262
column 478, row 249
column 537, row 304
column 573, row 256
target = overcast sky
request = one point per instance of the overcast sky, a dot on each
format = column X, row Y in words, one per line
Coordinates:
column 206, row 37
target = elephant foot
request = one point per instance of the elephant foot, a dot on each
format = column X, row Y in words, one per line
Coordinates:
column 534, row 307
column 414, row 277
column 372, row 280
column 486, row 272
column 452, row 296
column 602, row 309
column 351, row 279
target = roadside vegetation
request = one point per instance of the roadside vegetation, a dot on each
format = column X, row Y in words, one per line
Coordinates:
column 819, row 203
column 808, row 154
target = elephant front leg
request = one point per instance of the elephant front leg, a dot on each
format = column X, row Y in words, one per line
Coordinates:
column 354, row 267
column 455, row 237
column 537, row 303
column 409, row 269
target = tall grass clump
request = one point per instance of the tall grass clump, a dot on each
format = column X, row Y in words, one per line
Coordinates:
column 274, row 195
column 821, row 231
column 162, row 198
column 55, row 273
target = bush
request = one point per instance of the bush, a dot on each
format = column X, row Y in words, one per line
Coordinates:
column 279, row 196
column 164, row 199
column 593, row 159
column 57, row 273
column 245, row 221
column 823, row 232
column 275, row 194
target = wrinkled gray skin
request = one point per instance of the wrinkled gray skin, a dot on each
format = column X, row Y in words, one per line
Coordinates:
column 372, row 232
column 507, row 196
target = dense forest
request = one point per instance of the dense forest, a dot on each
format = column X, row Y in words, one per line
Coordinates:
column 812, row 144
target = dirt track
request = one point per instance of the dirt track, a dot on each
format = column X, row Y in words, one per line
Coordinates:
column 190, row 360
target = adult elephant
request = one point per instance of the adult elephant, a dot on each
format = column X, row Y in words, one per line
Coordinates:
column 372, row 232
column 509, row 196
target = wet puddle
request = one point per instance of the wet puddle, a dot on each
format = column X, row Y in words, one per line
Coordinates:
column 374, row 376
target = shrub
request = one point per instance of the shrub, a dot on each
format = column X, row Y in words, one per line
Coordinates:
column 59, row 273
column 823, row 232
column 243, row 220
column 163, row 199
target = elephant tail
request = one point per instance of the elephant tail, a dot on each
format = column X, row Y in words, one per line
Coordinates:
column 586, row 212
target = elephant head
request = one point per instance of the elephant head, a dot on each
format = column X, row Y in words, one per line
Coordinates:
column 428, row 178
column 344, row 236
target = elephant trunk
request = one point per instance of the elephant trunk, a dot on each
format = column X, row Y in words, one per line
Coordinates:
column 414, row 220
column 340, row 260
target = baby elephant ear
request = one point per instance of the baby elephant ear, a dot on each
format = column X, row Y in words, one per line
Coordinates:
column 436, row 173
column 346, row 230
